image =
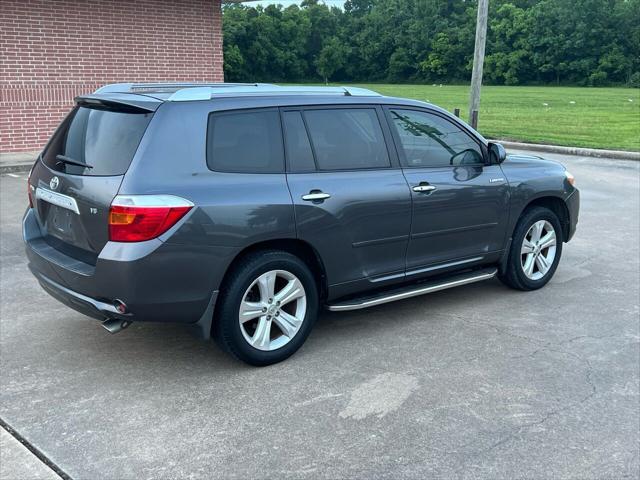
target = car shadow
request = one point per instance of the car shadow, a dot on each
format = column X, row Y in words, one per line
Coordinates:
column 173, row 345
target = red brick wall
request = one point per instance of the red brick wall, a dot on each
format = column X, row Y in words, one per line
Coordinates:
column 53, row 50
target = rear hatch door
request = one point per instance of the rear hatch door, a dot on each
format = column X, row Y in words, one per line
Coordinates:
column 79, row 173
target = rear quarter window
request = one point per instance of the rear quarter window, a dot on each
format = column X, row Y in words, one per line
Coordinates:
column 106, row 140
column 245, row 142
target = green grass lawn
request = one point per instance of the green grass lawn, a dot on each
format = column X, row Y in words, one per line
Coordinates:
column 572, row 116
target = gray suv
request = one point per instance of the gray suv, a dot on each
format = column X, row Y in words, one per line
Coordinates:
column 241, row 210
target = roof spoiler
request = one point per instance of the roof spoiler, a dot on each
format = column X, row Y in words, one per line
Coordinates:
column 118, row 103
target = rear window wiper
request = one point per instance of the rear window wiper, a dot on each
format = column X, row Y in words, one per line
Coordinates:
column 71, row 161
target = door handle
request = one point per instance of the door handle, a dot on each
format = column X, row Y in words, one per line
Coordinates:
column 424, row 188
column 315, row 196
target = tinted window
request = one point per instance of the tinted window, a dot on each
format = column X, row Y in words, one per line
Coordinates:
column 107, row 140
column 248, row 142
column 345, row 139
column 297, row 143
column 431, row 141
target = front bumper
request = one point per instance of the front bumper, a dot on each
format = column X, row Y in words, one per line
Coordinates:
column 573, row 205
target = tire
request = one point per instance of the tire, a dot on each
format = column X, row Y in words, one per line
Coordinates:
column 529, row 267
column 267, row 333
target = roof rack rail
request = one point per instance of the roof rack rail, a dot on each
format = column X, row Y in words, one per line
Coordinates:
column 167, row 87
column 182, row 92
column 207, row 93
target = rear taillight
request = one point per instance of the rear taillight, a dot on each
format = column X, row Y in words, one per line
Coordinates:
column 136, row 218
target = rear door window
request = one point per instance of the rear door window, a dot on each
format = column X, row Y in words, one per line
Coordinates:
column 347, row 138
column 106, row 140
column 245, row 142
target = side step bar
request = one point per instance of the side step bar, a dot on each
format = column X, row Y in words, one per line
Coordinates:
column 413, row 291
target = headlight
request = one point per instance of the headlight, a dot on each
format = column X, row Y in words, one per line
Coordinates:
column 570, row 178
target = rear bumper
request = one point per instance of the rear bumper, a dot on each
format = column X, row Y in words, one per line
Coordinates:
column 573, row 205
column 156, row 281
column 81, row 303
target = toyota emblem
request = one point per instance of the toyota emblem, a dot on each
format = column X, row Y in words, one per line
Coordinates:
column 54, row 182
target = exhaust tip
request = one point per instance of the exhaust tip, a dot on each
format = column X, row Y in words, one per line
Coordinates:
column 120, row 306
column 114, row 325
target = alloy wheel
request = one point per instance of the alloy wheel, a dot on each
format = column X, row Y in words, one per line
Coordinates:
column 272, row 310
column 538, row 250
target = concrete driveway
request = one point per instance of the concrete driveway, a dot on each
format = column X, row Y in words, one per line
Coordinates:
column 476, row 382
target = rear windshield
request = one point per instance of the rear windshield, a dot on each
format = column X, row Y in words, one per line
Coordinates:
column 106, row 140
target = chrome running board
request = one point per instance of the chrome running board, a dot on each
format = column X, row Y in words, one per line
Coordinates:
column 413, row 291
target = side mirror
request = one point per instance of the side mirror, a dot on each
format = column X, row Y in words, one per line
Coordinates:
column 497, row 153
column 466, row 157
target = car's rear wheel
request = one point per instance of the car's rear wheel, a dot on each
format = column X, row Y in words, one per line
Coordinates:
column 267, row 308
column 535, row 250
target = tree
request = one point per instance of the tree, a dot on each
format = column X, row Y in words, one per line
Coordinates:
column 583, row 42
column 331, row 58
column 233, row 62
column 509, row 57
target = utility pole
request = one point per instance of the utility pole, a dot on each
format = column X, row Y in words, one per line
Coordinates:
column 478, row 61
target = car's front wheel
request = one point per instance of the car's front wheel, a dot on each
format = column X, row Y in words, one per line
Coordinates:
column 535, row 250
column 267, row 308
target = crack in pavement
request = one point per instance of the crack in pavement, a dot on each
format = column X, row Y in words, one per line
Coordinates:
column 521, row 430
column 34, row 450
